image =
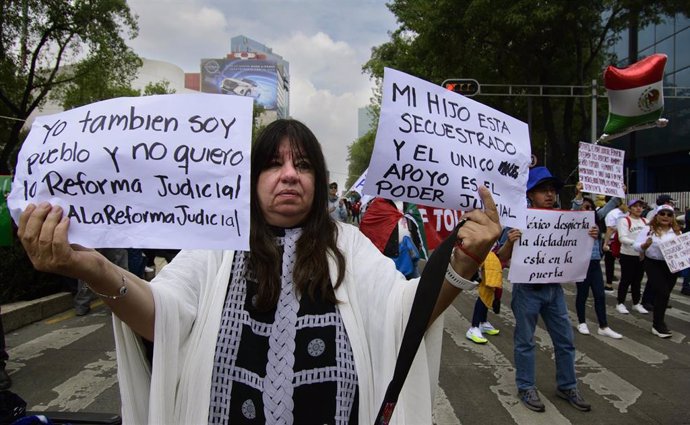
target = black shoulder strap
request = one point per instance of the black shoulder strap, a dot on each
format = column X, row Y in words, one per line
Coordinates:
column 423, row 305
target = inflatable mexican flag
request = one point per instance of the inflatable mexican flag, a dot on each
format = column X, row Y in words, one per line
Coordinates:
column 636, row 96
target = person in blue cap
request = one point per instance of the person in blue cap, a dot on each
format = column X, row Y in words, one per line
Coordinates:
column 529, row 301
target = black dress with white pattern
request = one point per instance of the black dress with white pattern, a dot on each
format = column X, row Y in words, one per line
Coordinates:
column 292, row 364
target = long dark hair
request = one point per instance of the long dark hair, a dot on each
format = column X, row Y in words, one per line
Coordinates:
column 319, row 231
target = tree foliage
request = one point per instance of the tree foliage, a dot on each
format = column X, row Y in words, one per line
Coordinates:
column 520, row 42
column 50, row 45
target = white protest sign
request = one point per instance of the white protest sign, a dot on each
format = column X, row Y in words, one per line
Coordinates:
column 601, row 169
column 676, row 252
column 168, row 171
column 359, row 184
column 554, row 247
column 435, row 147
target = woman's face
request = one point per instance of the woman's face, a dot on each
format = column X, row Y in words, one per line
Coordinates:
column 286, row 188
column 665, row 217
column 636, row 209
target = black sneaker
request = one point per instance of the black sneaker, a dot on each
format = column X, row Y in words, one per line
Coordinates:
column 82, row 311
column 574, row 398
column 608, row 288
column 5, row 380
column 530, row 398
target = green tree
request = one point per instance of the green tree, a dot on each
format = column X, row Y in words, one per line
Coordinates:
column 520, row 42
column 359, row 152
column 50, row 44
column 160, row 87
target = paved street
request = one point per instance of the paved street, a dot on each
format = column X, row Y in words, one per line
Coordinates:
column 67, row 363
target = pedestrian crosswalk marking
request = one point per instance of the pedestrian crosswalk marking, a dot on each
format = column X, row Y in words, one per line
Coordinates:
column 55, row 340
column 503, row 370
column 626, row 345
column 443, row 413
column 617, row 391
column 82, row 389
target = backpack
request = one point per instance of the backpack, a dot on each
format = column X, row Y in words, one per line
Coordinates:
column 615, row 242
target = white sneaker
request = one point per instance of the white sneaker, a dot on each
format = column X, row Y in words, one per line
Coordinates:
column 621, row 309
column 583, row 329
column 640, row 309
column 487, row 328
column 475, row 335
column 609, row 332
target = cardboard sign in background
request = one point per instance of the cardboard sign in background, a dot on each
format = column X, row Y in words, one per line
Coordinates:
column 554, row 247
column 677, row 252
column 601, row 169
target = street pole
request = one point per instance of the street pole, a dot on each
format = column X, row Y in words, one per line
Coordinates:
column 593, row 134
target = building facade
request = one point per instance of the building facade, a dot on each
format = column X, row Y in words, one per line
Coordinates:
column 658, row 160
column 250, row 69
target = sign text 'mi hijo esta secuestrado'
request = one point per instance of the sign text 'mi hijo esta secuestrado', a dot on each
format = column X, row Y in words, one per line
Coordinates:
column 435, row 147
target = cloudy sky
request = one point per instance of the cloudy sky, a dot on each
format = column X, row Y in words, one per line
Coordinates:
column 325, row 41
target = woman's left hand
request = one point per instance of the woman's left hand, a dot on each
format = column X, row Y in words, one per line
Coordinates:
column 477, row 236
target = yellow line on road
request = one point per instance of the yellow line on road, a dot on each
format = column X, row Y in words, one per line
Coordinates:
column 69, row 314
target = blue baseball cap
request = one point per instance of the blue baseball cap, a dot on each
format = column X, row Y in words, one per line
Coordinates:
column 539, row 175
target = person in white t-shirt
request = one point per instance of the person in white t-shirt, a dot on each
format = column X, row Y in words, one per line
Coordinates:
column 632, row 269
column 611, row 221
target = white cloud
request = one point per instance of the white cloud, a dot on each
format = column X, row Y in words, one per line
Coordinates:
column 325, row 41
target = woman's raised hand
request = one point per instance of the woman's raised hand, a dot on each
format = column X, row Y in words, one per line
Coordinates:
column 479, row 233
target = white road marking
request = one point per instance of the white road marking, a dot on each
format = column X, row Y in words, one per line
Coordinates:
column 82, row 389
column 614, row 389
column 503, row 371
column 443, row 413
column 56, row 340
column 626, row 345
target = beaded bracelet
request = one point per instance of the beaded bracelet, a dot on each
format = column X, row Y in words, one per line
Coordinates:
column 458, row 281
column 121, row 292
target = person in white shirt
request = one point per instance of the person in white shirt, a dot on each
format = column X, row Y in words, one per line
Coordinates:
column 632, row 269
column 611, row 221
column 662, row 228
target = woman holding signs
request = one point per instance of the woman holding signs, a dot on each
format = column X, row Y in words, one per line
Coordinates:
column 302, row 328
column 662, row 227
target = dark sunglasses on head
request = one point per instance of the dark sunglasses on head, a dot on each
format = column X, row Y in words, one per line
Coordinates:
column 665, row 213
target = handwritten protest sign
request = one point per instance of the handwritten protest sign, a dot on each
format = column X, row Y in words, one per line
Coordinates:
column 676, row 252
column 359, row 184
column 554, row 247
column 166, row 171
column 601, row 169
column 435, row 147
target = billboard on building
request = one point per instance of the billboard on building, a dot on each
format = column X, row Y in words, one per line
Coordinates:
column 242, row 74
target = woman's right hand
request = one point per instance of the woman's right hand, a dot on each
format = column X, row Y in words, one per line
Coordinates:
column 43, row 233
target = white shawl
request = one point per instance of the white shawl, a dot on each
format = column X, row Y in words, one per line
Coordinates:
column 189, row 294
